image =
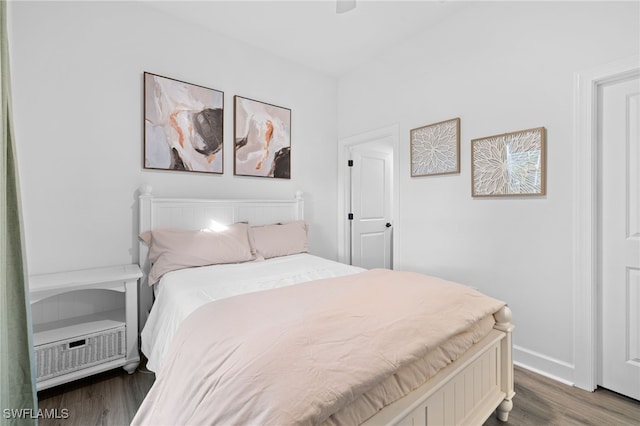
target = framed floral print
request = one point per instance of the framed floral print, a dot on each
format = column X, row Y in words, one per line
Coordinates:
column 435, row 148
column 510, row 164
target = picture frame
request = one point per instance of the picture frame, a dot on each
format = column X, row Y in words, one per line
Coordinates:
column 183, row 126
column 435, row 148
column 262, row 139
column 509, row 164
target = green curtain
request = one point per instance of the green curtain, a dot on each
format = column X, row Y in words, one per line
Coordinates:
column 18, row 403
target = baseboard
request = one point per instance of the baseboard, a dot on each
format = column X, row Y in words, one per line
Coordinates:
column 543, row 365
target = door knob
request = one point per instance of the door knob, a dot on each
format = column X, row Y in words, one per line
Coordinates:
column 388, row 225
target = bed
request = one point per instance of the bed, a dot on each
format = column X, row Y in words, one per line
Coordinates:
column 462, row 378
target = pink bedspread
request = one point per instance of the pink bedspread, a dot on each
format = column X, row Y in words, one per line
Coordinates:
column 298, row 354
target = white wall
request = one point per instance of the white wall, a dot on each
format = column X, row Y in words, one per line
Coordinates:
column 77, row 92
column 500, row 67
column 77, row 96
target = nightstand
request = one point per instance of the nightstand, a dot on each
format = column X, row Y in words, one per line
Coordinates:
column 84, row 322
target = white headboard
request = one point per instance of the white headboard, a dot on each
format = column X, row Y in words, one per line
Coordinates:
column 192, row 213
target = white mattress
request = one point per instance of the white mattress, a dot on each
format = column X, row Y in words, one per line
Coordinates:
column 179, row 293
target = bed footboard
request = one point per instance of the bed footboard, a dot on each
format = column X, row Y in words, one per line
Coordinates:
column 467, row 391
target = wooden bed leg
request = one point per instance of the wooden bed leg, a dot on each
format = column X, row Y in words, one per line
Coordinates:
column 504, row 409
column 131, row 367
column 503, row 323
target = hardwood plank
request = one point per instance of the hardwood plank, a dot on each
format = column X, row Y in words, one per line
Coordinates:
column 112, row 398
column 543, row 401
column 106, row 399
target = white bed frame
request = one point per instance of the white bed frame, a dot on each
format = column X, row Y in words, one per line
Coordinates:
column 466, row 392
column 190, row 213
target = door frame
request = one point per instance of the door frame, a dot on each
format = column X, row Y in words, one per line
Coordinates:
column 344, row 187
column 585, row 213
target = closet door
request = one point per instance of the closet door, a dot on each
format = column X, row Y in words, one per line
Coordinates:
column 619, row 119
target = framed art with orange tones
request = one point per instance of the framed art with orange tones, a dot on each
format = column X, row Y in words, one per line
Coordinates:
column 262, row 139
column 183, row 126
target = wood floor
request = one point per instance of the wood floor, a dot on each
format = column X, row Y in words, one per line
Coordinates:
column 542, row 401
column 112, row 398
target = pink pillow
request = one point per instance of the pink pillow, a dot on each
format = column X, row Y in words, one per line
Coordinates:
column 173, row 249
column 280, row 239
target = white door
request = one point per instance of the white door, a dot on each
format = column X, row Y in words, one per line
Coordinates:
column 620, row 236
column 371, row 208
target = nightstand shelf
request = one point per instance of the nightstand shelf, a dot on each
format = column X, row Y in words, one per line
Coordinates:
column 84, row 322
column 71, row 327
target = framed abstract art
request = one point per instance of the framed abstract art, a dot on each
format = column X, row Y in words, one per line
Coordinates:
column 183, row 126
column 262, row 139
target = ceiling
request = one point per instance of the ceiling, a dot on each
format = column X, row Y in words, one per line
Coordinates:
column 310, row 32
